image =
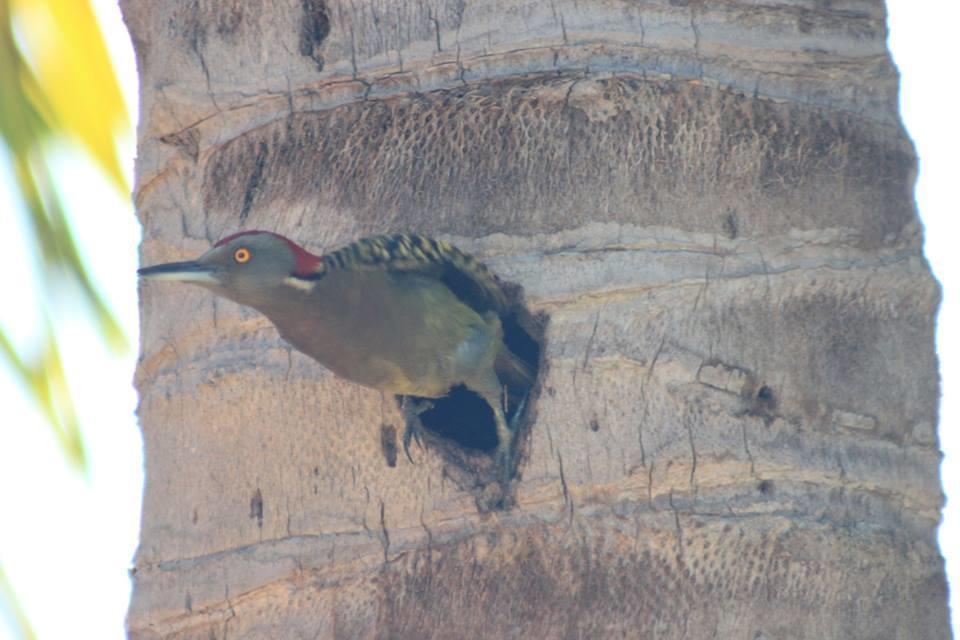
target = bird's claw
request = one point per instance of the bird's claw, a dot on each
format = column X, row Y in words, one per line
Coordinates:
column 411, row 417
column 412, row 432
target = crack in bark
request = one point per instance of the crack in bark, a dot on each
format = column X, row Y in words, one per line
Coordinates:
column 567, row 499
column 746, row 448
column 650, row 485
column 385, row 534
column 626, row 289
column 696, row 33
column 593, row 334
column 436, row 27
column 678, row 528
column 693, row 453
column 656, row 356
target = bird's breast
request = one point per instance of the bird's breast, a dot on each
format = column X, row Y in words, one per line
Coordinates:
column 401, row 335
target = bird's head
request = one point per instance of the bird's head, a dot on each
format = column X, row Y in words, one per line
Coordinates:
column 250, row 267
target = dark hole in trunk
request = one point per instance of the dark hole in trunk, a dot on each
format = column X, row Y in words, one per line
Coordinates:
column 462, row 416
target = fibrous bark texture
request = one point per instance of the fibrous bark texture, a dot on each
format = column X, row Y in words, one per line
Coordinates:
column 708, row 203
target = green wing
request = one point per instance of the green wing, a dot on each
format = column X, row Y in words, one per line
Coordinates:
column 467, row 278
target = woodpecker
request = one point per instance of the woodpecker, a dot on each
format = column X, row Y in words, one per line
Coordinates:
column 403, row 314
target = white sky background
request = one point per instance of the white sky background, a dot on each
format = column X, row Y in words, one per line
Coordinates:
column 67, row 543
column 924, row 44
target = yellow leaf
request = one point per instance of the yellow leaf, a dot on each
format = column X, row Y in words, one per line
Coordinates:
column 73, row 69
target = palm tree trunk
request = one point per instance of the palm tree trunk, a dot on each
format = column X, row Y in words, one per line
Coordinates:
column 709, row 205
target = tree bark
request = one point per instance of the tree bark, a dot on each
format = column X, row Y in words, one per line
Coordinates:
column 709, row 205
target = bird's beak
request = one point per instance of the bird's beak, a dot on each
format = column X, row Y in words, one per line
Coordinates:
column 190, row 271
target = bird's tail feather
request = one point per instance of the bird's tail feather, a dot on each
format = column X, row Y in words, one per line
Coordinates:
column 514, row 372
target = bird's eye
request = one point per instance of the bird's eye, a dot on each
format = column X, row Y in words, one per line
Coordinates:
column 241, row 255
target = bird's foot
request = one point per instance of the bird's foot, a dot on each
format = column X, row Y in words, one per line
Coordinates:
column 412, row 432
column 413, row 425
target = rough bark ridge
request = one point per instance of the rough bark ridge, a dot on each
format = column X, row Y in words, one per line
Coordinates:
column 734, row 432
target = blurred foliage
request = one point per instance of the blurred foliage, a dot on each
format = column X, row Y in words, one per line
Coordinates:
column 16, row 613
column 57, row 85
column 61, row 86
